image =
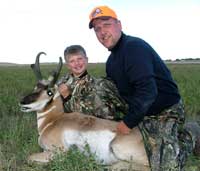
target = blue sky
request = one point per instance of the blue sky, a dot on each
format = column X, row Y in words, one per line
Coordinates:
column 30, row 26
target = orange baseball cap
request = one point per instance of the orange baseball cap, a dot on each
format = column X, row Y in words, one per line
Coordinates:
column 101, row 11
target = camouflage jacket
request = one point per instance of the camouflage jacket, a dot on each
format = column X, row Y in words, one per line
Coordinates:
column 93, row 96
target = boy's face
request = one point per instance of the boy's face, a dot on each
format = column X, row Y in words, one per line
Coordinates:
column 77, row 64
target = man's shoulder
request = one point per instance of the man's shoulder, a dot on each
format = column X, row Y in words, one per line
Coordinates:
column 137, row 47
column 130, row 40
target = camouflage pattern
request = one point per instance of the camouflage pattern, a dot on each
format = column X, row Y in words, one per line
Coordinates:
column 94, row 96
column 167, row 143
column 194, row 129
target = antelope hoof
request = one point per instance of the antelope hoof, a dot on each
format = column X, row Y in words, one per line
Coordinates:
column 40, row 158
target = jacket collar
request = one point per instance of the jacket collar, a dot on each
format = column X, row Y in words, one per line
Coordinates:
column 81, row 76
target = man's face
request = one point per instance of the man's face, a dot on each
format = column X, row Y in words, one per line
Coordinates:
column 77, row 64
column 107, row 31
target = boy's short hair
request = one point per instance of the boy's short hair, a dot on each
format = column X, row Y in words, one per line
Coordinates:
column 74, row 49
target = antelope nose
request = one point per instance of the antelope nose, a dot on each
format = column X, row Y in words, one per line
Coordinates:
column 25, row 100
column 22, row 101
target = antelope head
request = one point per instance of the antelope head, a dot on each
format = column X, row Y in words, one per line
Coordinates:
column 45, row 90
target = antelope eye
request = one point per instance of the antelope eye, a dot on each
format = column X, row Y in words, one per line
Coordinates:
column 49, row 92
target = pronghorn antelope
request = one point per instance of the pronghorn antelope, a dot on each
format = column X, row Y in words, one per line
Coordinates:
column 62, row 130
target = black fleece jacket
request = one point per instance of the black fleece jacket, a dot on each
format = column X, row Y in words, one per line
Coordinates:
column 142, row 78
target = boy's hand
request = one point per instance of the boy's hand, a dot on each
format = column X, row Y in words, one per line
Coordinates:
column 64, row 90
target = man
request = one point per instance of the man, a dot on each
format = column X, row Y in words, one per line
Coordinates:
column 83, row 93
column 146, row 84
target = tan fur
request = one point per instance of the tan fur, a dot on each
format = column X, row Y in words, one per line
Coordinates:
column 55, row 125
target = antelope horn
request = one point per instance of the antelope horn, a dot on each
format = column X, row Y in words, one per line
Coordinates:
column 55, row 73
column 36, row 67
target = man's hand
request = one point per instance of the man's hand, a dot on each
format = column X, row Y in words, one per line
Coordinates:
column 64, row 90
column 122, row 128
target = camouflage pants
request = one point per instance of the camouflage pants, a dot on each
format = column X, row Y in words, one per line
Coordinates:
column 165, row 148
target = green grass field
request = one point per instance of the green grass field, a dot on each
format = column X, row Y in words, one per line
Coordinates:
column 18, row 131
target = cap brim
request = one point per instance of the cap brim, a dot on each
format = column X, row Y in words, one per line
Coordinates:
column 90, row 24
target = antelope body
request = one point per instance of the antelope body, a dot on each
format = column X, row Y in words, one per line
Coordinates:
column 61, row 130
